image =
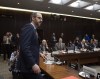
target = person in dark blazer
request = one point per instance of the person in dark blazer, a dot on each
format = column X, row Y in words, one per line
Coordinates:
column 53, row 41
column 29, row 49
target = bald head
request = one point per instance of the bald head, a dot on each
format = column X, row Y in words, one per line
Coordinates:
column 60, row 40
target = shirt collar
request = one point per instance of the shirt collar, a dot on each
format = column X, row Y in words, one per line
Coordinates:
column 33, row 25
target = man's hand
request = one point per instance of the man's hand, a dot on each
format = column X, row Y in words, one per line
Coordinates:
column 36, row 69
column 43, row 55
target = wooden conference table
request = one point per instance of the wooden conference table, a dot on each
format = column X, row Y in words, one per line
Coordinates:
column 82, row 58
column 57, row 71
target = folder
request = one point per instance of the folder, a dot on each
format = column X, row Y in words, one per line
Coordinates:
column 70, row 77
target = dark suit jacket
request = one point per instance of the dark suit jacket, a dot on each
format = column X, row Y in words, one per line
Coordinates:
column 29, row 48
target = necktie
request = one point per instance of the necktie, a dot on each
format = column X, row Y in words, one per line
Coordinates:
column 60, row 46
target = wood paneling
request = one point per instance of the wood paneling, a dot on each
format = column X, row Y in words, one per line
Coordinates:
column 71, row 27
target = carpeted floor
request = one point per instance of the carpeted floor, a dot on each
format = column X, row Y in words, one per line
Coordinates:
column 1, row 77
column 4, row 72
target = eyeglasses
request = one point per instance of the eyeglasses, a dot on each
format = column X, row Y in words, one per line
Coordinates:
column 40, row 18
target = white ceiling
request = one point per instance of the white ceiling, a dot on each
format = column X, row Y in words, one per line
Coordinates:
column 65, row 8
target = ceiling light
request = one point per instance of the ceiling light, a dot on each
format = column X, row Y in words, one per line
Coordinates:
column 89, row 7
column 72, row 11
column 18, row 3
column 93, row 7
column 56, row 1
column 98, row 10
column 79, row 4
column 48, row 7
column 38, row 0
column 60, row 2
column 75, row 4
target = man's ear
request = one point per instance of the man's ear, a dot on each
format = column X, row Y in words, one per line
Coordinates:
column 32, row 18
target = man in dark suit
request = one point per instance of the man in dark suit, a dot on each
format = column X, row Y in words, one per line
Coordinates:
column 53, row 41
column 29, row 49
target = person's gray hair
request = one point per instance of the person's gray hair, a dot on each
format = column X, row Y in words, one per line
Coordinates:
column 34, row 14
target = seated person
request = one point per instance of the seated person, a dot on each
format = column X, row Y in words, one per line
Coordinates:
column 94, row 43
column 43, row 48
column 14, row 56
column 87, row 37
column 13, row 64
column 60, row 45
column 85, row 44
column 70, row 44
column 77, row 42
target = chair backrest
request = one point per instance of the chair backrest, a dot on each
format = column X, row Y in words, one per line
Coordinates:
column 71, row 48
column 90, row 70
